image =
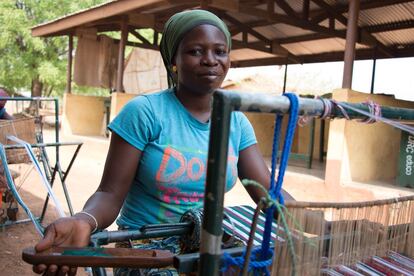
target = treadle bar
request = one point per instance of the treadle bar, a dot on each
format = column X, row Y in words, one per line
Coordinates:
column 145, row 232
column 224, row 102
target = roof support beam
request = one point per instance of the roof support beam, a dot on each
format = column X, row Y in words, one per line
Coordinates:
column 351, row 36
column 407, row 24
column 121, row 54
column 275, row 48
column 297, row 22
column 286, row 8
column 365, row 37
column 322, row 15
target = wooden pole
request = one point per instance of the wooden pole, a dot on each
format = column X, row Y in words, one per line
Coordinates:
column 285, row 78
column 121, row 54
column 374, row 67
column 69, row 66
column 351, row 37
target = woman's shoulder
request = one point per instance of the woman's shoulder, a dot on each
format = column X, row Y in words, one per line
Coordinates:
column 152, row 98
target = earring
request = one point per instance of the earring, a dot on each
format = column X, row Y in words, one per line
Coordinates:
column 174, row 69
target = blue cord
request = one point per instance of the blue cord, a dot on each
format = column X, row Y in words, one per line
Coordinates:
column 262, row 258
column 275, row 190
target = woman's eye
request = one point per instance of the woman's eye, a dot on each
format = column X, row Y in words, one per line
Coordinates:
column 195, row 52
column 221, row 52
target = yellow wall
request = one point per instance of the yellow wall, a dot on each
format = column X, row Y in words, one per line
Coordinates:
column 83, row 115
column 118, row 100
column 362, row 152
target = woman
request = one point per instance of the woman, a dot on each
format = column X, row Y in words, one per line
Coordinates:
column 156, row 164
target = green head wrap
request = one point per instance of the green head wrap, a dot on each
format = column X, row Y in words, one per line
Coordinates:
column 177, row 26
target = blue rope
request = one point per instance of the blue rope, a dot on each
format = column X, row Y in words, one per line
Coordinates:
column 275, row 189
column 261, row 258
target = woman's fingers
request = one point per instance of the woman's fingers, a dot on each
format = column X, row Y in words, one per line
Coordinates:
column 39, row 268
column 48, row 239
column 72, row 271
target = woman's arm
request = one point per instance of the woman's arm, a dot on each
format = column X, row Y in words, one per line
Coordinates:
column 120, row 169
column 251, row 166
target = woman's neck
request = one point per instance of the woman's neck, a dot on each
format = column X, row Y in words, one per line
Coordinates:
column 198, row 104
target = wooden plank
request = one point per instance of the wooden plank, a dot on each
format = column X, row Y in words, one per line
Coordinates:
column 229, row 5
column 99, row 12
column 141, row 20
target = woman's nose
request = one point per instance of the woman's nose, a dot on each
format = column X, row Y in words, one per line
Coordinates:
column 209, row 59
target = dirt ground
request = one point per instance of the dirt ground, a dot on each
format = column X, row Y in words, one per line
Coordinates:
column 84, row 178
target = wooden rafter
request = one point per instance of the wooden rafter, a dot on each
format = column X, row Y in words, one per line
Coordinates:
column 366, row 37
column 286, row 8
column 274, row 48
column 361, row 54
column 392, row 26
column 139, row 36
column 321, row 15
column 297, row 22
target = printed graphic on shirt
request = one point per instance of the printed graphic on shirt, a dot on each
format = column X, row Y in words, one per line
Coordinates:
column 181, row 177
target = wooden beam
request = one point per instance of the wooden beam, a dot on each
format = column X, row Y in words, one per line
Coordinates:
column 365, row 37
column 286, row 8
column 351, row 37
column 229, row 5
column 121, row 55
column 87, row 16
column 242, row 26
column 139, row 36
column 141, row 20
column 304, row 38
column 258, row 46
column 362, row 54
column 392, row 26
column 321, row 15
column 297, row 22
column 69, row 66
column 305, row 9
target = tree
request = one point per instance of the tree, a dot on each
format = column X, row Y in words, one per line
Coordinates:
column 30, row 63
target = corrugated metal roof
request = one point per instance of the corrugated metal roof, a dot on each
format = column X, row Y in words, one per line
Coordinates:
column 386, row 25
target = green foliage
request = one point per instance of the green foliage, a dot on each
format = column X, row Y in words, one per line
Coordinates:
column 25, row 59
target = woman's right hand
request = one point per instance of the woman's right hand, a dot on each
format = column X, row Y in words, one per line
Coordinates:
column 73, row 231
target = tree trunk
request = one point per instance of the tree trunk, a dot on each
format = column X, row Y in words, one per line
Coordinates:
column 37, row 87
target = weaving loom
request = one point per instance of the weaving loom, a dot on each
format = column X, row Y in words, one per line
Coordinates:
column 326, row 238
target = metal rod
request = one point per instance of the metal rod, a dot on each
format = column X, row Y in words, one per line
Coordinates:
column 42, row 145
column 146, row 232
column 351, row 38
column 311, row 142
column 211, row 234
column 224, row 102
column 308, row 107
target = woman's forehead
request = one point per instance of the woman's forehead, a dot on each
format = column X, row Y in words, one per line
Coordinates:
column 204, row 33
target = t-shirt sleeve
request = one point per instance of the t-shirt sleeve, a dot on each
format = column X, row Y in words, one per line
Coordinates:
column 135, row 122
column 248, row 137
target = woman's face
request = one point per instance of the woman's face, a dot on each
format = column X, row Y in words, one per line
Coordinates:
column 202, row 59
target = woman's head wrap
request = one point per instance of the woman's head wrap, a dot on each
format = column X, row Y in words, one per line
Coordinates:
column 177, row 26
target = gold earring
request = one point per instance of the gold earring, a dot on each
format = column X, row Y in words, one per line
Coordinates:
column 174, row 69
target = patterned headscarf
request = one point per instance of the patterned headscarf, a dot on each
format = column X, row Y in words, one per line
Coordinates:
column 180, row 24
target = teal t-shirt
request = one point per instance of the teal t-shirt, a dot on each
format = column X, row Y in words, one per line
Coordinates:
column 172, row 171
